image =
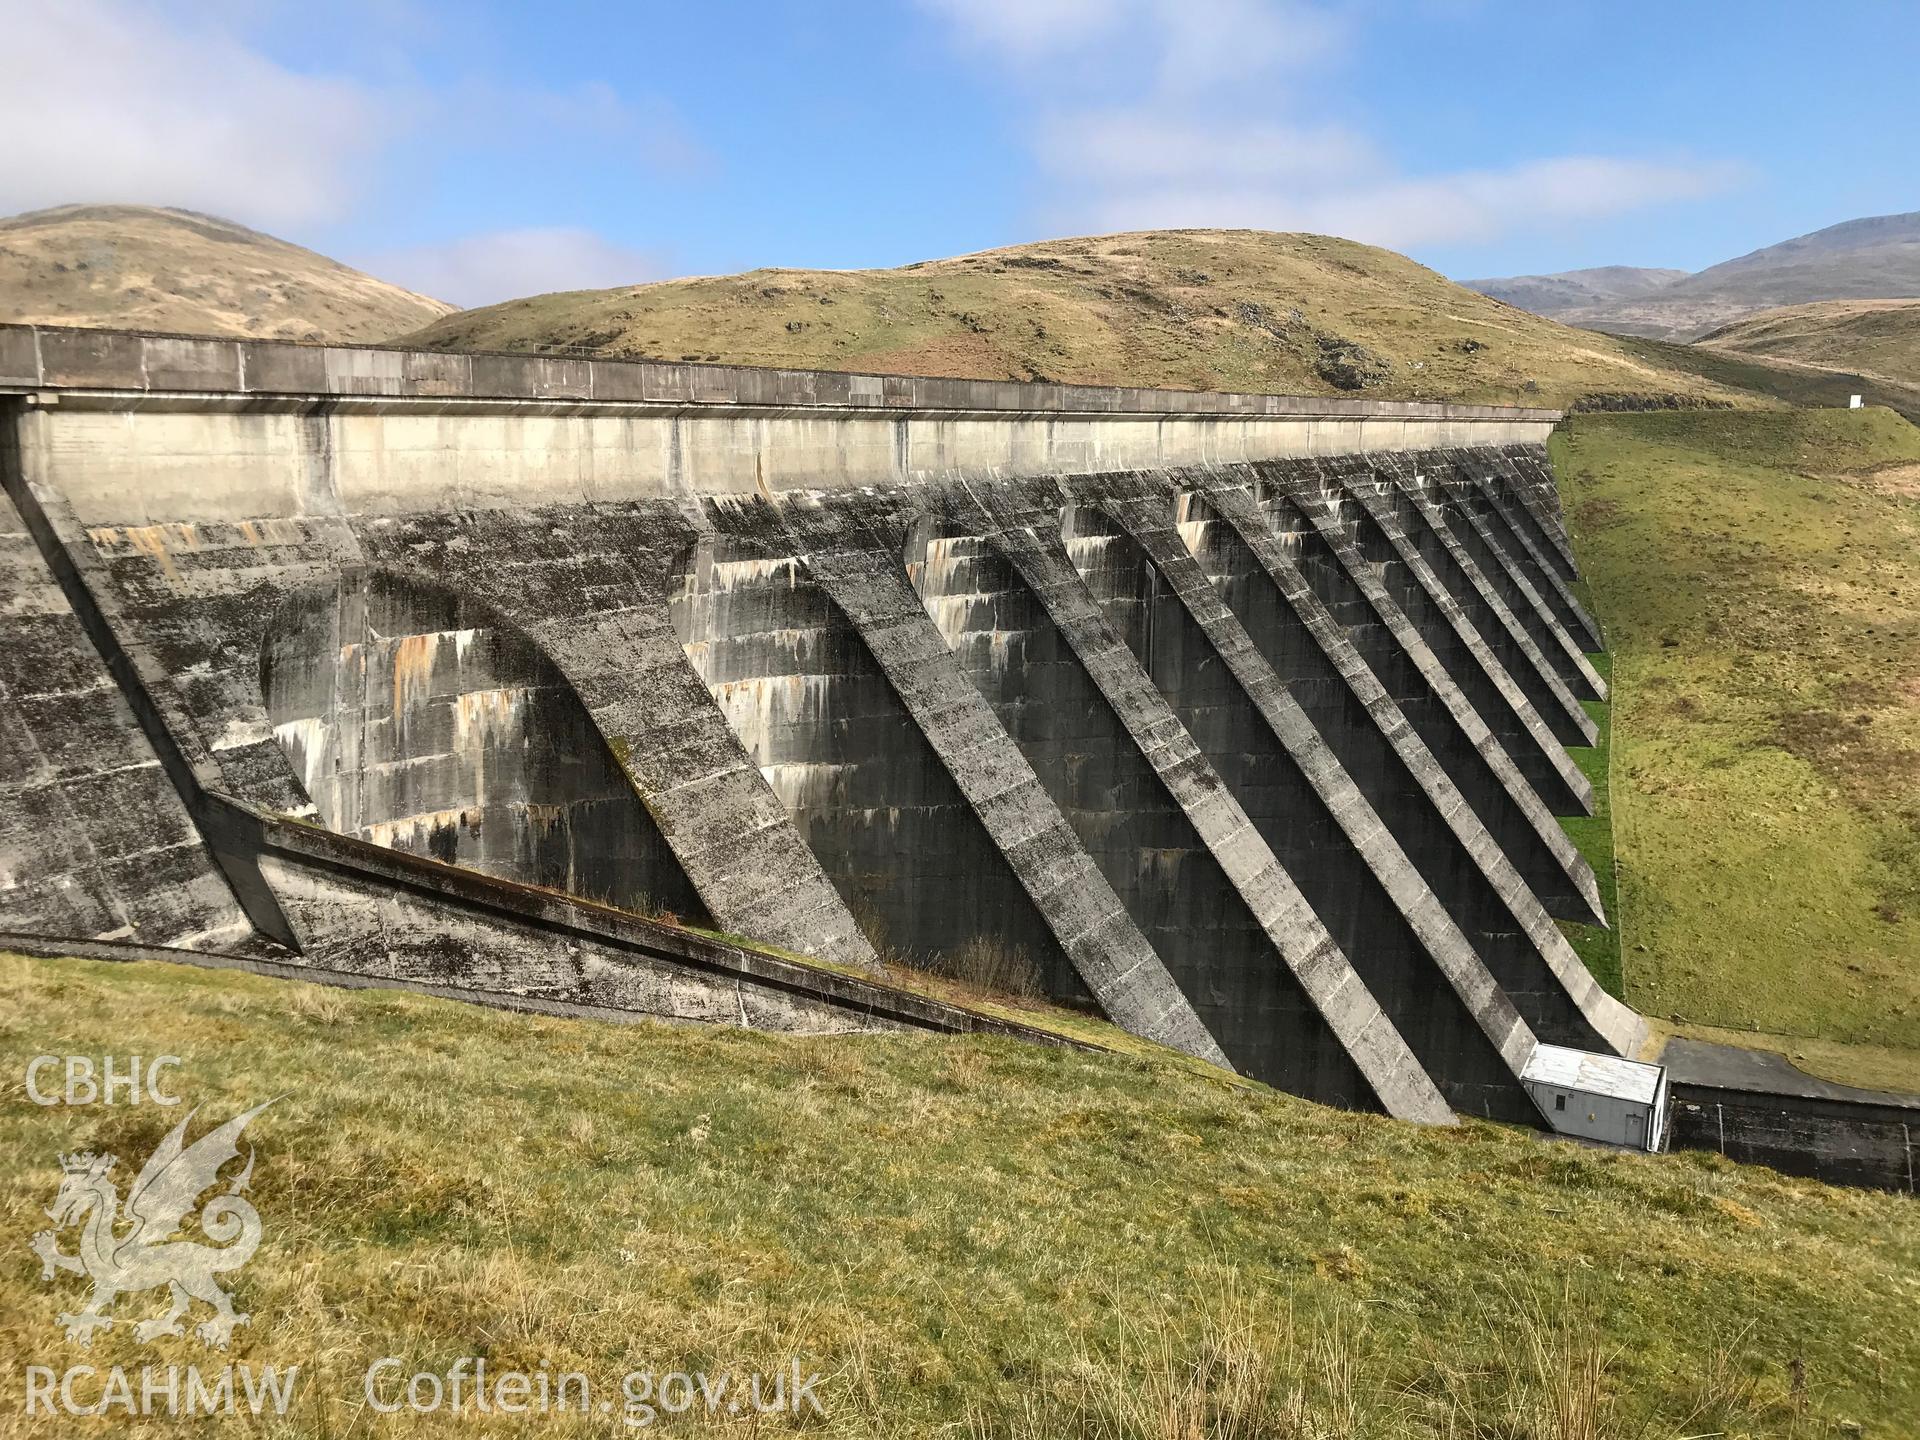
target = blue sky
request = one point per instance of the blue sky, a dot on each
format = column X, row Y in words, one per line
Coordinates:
column 483, row 149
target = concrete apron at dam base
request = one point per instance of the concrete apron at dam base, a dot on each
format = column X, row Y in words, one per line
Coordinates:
column 1239, row 720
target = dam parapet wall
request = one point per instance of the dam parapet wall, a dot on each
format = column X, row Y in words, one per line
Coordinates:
column 594, row 430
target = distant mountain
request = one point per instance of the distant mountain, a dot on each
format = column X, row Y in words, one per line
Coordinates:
column 1558, row 295
column 140, row 267
column 1872, row 259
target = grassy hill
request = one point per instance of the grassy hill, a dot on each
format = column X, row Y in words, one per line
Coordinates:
column 1790, row 382
column 964, row 1237
column 143, row 268
column 1759, row 578
column 1816, row 354
column 1232, row 309
column 1876, row 337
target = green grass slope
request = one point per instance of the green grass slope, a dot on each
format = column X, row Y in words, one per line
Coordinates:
column 964, row 1237
column 1880, row 337
column 1228, row 309
column 1840, row 347
column 1788, row 382
column 1759, row 578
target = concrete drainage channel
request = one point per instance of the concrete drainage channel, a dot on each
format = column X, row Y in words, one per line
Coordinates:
column 1241, row 720
column 465, row 936
column 1757, row 1107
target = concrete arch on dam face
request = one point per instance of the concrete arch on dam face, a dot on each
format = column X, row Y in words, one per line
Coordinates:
column 1495, row 480
column 818, row 717
column 419, row 719
column 1479, row 767
column 1400, row 491
column 1465, row 512
column 1383, row 757
column 1262, row 756
column 1394, row 562
column 1170, row 883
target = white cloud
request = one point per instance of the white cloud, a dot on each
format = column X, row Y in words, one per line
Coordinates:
column 1204, row 44
column 105, row 101
column 133, row 102
column 1127, row 148
column 1292, row 192
column 507, row 264
column 1208, row 134
column 1027, row 30
column 1192, row 43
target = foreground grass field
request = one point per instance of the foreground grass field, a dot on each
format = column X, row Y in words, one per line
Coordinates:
column 963, row 1237
column 1759, row 578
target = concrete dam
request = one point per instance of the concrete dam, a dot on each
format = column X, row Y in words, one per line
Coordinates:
column 630, row 688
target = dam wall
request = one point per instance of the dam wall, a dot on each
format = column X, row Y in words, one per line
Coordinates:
column 1242, row 721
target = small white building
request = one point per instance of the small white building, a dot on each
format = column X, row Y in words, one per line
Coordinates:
column 1599, row 1097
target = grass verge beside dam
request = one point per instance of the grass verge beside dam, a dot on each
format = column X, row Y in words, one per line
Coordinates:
column 1758, row 575
column 965, row 1237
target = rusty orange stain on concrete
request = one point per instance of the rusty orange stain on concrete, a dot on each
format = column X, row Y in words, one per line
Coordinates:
column 484, row 714
column 273, row 530
column 412, row 668
column 152, row 540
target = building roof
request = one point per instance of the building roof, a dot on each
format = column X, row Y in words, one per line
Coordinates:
column 1593, row 1074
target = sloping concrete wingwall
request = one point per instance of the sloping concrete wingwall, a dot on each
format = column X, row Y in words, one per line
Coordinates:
column 1241, row 720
